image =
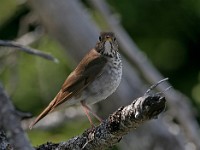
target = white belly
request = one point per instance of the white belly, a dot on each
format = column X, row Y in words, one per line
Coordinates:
column 102, row 87
column 105, row 84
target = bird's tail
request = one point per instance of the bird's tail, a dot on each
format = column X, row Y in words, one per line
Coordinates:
column 42, row 115
column 47, row 110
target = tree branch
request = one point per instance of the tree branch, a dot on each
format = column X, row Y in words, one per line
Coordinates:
column 4, row 143
column 111, row 131
column 107, row 134
column 28, row 50
column 10, row 122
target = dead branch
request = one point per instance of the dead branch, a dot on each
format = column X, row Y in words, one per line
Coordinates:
column 11, row 123
column 28, row 50
column 111, row 131
column 107, row 134
column 4, row 143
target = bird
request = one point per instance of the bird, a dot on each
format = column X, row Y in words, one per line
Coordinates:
column 95, row 78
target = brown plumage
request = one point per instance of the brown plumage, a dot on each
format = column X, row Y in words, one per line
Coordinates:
column 89, row 69
column 86, row 71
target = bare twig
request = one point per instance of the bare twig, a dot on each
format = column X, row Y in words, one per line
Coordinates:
column 27, row 50
column 155, row 85
column 111, row 131
column 10, row 122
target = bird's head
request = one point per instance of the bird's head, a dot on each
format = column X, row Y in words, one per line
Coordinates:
column 107, row 44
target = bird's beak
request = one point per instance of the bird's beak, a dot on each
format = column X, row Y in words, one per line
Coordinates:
column 109, row 39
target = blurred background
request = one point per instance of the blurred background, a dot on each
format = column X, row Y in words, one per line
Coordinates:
column 155, row 37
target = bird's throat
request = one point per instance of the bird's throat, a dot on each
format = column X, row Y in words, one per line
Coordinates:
column 108, row 49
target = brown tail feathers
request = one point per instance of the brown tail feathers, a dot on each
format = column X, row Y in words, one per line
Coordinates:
column 42, row 115
column 54, row 103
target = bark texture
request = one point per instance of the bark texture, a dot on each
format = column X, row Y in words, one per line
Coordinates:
column 11, row 123
column 115, row 127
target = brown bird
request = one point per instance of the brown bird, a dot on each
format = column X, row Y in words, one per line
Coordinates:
column 95, row 78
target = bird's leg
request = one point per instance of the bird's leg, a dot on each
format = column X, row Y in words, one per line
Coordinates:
column 87, row 109
column 87, row 112
column 94, row 114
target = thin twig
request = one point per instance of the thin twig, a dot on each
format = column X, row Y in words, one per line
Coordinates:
column 155, row 85
column 28, row 50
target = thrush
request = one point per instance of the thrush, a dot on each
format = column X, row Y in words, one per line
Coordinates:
column 95, row 78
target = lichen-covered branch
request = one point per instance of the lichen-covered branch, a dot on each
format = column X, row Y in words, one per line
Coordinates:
column 111, row 131
column 107, row 134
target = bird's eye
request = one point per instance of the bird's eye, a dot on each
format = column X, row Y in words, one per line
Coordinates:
column 100, row 38
column 114, row 39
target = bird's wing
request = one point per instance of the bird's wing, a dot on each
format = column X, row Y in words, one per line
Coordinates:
column 85, row 73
